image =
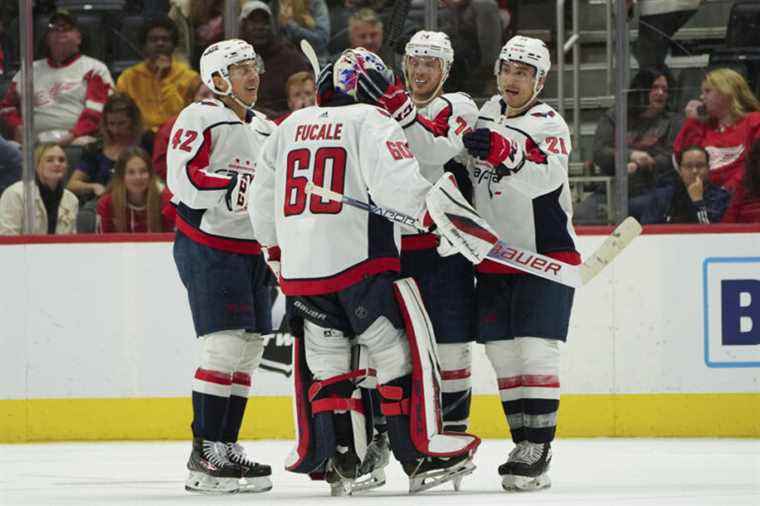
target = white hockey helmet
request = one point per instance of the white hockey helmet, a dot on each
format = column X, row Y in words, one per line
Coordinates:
column 219, row 56
column 353, row 62
column 526, row 50
column 431, row 44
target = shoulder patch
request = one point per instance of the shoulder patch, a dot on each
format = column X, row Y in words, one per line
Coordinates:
column 547, row 114
column 206, row 102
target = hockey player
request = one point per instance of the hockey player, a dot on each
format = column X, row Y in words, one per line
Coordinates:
column 339, row 268
column 209, row 168
column 521, row 187
column 434, row 128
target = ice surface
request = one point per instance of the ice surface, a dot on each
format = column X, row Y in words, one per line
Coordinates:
column 615, row 472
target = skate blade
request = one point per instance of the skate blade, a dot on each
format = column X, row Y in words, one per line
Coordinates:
column 514, row 483
column 374, row 480
column 254, row 485
column 201, row 483
column 342, row 488
column 435, row 478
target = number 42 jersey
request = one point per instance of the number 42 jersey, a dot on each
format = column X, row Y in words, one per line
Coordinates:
column 356, row 150
column 208, row 144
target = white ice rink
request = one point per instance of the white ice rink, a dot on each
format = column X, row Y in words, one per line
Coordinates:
column 617, row 472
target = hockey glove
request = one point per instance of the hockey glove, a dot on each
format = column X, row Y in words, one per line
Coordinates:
column 236, row 197
column 325, row 86
column 374, row 88
column 503, row 154
column 272, row 257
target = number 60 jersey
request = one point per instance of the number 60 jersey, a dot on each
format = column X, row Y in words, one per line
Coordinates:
column 208, row 144
column 356, row 150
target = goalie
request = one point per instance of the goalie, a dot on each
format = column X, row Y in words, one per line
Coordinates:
column 339, row 268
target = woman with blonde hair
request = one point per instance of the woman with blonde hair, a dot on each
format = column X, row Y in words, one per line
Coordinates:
column 306, row 19
column 134, row 201
column 55, row 208
column 726, row 122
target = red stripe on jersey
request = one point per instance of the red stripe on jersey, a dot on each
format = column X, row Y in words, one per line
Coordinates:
column 209, row 376
column 241, row 246
column 529, row 380
column 418, row 242
column 438, row 126
column 195, row 168
column 241, row 378
column 455, row 374
column 331, row 284
column 490, row 267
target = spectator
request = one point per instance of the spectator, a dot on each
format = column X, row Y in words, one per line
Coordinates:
column 300, row 91
column 161, row 140
column 476, row 32
column 659, row 20
column 121, row 128
column 651, row 131
column 133, row 202
column 365, row 29
column 745, row 204
column 689, row 199
column 160, row 85
column 55, row 207
column 10, row 164
column 726, row 122
column 281, row 58
column 307, row 19
column 70, row 89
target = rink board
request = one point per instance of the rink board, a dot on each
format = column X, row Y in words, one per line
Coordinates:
column 97, row 343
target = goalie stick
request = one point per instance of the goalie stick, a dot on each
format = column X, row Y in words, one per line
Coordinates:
column 524, row 260
column 311, row 55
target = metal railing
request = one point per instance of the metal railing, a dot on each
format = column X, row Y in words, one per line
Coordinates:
column 563, row 47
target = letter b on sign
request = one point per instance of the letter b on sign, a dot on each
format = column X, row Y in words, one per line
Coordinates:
column 740, row 301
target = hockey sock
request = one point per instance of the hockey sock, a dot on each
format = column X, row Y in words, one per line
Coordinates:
column 241, row 386
column 540, row 419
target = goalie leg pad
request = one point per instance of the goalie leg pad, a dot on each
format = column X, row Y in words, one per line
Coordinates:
column 422, row 402
column 457, row 221
column 328, row 413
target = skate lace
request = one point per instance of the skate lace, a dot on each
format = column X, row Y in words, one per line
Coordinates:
column 216, row 453
column 527, row 453
column 236, row 453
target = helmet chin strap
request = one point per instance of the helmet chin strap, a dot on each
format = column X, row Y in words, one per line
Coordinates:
column 241, row 103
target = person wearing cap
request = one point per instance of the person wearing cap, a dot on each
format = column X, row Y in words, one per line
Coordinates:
column 70, row 89
column 281, row 58
column 160, row 85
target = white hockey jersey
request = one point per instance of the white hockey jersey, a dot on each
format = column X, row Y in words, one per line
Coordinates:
column 435, row 137
column 356, row 150
column 532, row 207
column 207, row 144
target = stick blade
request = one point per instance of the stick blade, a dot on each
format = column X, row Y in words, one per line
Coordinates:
column 311, row 55
column 620, row 238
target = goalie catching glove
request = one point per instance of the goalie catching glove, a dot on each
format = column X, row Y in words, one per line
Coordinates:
column 457, row 222
column 503, row 154
column 374, row 88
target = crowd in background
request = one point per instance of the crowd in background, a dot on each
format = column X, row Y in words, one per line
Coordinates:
column 102, row 125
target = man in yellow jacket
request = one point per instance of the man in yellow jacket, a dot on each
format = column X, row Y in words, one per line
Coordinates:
column 161, row 86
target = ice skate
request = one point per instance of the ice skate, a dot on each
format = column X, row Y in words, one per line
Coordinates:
column 428, row 472
column 254, row 477
column 211, row 472
column 527, row 467
column 342, row 471
column 372, row 470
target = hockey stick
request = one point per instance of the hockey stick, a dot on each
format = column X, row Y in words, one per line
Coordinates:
column 396, row 24
column 521, row 259
column 311, row 55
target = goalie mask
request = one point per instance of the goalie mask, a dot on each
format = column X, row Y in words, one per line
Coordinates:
column 350, row 64
column 431, row 45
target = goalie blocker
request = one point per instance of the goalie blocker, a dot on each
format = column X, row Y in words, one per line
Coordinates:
column 410, row 403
